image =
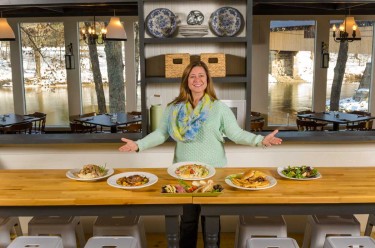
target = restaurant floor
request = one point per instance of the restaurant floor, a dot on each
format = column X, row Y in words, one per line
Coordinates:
column 157, row 240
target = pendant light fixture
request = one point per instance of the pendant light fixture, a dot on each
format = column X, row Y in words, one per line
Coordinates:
column 115, row 30
column 6, row 32
column 348, row 30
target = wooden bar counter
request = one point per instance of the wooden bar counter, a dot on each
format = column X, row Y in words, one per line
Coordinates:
column 50, row 192
column 340, row 190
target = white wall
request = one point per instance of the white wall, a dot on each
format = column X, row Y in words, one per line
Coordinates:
column 75, row 155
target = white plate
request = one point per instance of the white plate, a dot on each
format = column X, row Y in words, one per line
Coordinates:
column 72, row 175
column 272, row 180
column 280, row 169
column 172, row 170
column 152, row 179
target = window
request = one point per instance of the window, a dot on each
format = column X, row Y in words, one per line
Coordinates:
column 6, row 83
column 291, row 60
column 350, row 91
column 102, row 74
column 44, row 73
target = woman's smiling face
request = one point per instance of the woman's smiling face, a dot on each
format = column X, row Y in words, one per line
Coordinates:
column 197, row 80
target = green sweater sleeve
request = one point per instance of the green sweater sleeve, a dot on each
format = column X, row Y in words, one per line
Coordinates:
column 157, row 137
column 235, row 132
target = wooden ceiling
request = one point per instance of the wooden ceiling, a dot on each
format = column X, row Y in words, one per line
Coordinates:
column 49, row 8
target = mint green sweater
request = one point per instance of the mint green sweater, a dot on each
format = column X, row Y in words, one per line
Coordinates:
column 208, row 146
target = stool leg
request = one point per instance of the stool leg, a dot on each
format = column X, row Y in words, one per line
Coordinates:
column 142, row 233
column 370, row 224
column 17, row 229
column 4, row 238
column 236, row 240
column 80, row 234
column 307, row 236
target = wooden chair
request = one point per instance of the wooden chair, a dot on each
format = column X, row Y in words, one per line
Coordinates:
column 304, row 125
column 39, row 125
column 256, row 126
column 320, row 124
column 362, row 125
column 255, row 113
column 131, row 128
column 21, row 128
column 79, row 127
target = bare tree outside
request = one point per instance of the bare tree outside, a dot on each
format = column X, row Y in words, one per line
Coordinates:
column 338, row 77
column 97, row 75
column 115, row 69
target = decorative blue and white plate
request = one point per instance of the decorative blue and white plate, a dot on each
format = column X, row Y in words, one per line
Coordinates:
column 161, row 23
column 225, row 21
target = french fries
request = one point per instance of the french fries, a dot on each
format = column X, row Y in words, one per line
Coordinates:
column 251, row 179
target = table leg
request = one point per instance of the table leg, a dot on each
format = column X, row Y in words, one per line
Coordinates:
column 113, row 129
column 336, row 126
column 212, row 231
column 172, row 230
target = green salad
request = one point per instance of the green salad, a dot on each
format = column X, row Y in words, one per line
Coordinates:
column 303, row 171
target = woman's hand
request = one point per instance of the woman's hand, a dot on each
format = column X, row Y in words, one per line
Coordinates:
column 270, row 139
column 130, row 146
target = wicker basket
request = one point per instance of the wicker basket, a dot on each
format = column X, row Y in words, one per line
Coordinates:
column 175, row 64
column 215, row 63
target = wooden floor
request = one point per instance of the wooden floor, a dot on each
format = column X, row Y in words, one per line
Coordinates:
column 157, row 240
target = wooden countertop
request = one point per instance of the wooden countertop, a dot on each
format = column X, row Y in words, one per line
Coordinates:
column 52, row 188
column 338, row 185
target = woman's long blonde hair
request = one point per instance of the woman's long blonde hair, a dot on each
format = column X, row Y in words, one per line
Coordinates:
column 185, row 93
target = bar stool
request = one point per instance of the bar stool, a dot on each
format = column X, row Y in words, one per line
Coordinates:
column 121, row 226
column 8, row 226
column 320, row 226
column 250, row 226
column 271, row 243
column 65, row 226
column 113, row 242
column 352, row 242
column 37, row 241
column 370, row 224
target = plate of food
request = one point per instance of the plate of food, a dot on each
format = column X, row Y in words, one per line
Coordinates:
column 195, row 188
column 251, row 180
column 90, row 172
column 191, row 170
column 132, row 180
column 161, row 23
column 302, row 173
column 226, row 21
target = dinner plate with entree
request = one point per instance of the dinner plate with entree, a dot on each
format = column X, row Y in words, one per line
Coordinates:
column 302, row 173
column 132, row 180
column 191, row 170
column 90, row 172
column 251, row 180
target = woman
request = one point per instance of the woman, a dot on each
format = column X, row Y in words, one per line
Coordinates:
column 197, row 120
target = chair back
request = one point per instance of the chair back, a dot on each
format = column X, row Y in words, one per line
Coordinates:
column 255, row 113
column 304, row 125
column 87, row 114
column 39, row 126
column 256, row 126
column 131, row 128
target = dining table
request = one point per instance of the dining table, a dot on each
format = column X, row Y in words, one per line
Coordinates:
column 336, row 118
column 11, row 119
column 111, row 120
column 339, row 190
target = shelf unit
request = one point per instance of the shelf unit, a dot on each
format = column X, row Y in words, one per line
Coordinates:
column 242, row 43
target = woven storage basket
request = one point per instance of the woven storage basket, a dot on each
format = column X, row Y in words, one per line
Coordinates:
column 215, row 63
column 175, row 64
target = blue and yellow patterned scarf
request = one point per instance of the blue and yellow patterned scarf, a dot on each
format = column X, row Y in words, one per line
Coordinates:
column 185, row 122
